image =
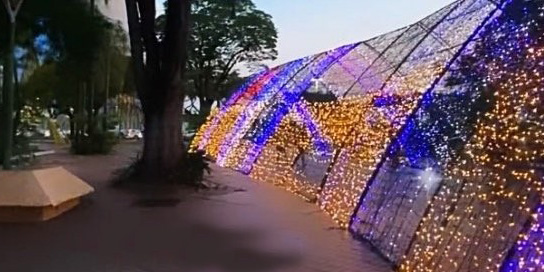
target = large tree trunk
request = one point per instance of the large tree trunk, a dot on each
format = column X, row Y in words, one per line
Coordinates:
column 7, row 98
column 163, row 149
column 158, row 79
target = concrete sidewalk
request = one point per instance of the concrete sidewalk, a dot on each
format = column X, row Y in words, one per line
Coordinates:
column 254, row 227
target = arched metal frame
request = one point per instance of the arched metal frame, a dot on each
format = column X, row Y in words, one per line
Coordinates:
column 375, row 66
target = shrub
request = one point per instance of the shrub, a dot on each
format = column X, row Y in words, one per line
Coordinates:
column 192, row 169
column 190, row 172
column 22, row 151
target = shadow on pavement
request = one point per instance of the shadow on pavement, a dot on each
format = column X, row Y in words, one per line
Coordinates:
column 233, row 250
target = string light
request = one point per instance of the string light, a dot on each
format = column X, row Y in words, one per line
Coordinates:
column 246, row 90
column 395, row 199
column 285, row 99
column 471, row 191
column 233, row 146
column 490, row 190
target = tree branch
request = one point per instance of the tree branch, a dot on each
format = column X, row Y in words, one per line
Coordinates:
column 17, row 8
column 175, row 41
column 228, row 68
column 9, row 10
column 147, row 21
column 232, row 61
column 136, row 47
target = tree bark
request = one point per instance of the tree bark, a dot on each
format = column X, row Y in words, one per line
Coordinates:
column 90, row 95
column 7, row 98
column 18, row 99
column 158, row 79
column 90, row 107
column 80, row 113
column 205, row 106
column 163, row 145
column 108, row 78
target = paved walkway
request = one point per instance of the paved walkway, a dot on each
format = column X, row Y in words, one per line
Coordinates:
column 256, row 228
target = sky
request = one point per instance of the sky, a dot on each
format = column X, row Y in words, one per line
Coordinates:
column 306, row 27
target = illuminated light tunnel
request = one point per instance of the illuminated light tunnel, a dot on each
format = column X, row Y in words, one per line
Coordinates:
column 427, row 142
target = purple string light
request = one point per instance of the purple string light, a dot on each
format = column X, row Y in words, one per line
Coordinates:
column 253, row 109
column 287, row 97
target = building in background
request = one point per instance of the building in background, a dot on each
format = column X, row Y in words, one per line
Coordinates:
column 115, row 10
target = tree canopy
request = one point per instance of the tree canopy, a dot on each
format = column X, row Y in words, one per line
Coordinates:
column 225, row 35
column 62, row 39
column 60, row 48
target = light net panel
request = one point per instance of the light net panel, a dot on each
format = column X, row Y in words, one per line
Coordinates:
column 492, row 191
column 397, row 198
column 405, row 82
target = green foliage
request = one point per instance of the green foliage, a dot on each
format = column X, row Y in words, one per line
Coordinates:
column 98, row 142
column 44, row 83
column 194, row 121
column 61, row 44
column 22, row 151
column 31, row 116
column 225, row 35
column 111, row 65
column 192, row 170
column 68, row 26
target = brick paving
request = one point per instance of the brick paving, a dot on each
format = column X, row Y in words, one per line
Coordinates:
column 257, row 227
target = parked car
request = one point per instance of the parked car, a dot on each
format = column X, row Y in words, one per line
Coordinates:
column 132, row 134
column 189, row 135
